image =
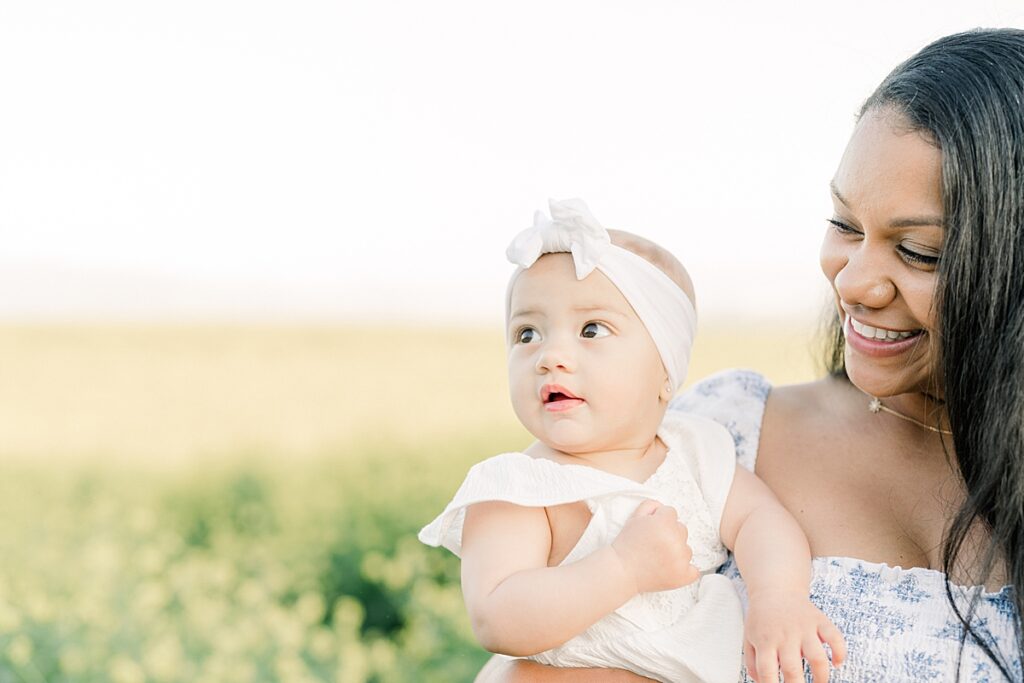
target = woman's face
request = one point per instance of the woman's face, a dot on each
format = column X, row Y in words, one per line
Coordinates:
column 880, row 253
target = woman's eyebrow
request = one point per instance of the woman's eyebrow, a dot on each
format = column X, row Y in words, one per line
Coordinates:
column 836, row 193
column 908, row 222
column 917, row 221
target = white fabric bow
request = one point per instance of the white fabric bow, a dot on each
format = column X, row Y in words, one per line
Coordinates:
column 664, row 309
column 571, row 229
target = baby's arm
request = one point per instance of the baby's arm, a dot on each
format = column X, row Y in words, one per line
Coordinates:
column 519, row 606
column 775, row 561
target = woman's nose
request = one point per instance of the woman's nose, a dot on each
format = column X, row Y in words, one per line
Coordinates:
column 863, row 281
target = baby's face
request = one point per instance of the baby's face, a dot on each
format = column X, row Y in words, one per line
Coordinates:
column 584, row 373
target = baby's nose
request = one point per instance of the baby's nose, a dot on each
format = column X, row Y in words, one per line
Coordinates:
column 555, row 356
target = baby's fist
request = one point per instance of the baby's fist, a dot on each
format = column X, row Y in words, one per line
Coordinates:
column 652, row 547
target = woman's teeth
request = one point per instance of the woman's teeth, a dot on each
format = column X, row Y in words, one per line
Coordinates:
column 878, row 333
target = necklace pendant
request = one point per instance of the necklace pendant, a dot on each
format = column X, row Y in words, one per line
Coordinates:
column 875, row 405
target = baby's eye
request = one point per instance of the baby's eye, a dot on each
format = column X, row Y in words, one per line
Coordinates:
column 527, row 335
column 594, row 330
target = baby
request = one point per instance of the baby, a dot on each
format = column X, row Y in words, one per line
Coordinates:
column 572, row 551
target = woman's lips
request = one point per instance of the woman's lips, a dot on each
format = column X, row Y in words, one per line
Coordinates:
column 878, row 348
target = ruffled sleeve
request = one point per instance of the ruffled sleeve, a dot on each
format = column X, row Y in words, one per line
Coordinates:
column 527, row 481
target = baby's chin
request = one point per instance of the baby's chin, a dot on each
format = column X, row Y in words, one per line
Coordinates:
column 567, row 438
column 582, row 446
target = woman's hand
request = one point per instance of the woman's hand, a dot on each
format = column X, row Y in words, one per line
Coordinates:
column 652, row 547
column 504, row 670
column 781, row 629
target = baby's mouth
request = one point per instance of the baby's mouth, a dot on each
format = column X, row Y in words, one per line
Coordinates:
column 557, row 397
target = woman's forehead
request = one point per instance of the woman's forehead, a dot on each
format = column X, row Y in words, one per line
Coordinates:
column 887, row 166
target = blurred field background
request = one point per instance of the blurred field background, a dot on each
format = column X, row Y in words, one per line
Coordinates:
column 239, row 503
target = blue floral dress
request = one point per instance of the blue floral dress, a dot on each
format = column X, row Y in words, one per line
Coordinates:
column 898, row 624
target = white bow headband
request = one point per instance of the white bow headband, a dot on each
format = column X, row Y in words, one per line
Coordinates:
column 660, row 303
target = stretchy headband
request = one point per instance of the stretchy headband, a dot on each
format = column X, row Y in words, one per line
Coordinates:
column 660, row 303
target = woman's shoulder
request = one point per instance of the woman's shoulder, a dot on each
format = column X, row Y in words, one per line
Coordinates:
column 731, row 394
column 800, row 411
column 736, row 400
column 724, row 385
column 744, row 401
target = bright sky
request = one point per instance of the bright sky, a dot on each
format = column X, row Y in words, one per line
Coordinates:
column 371, row 159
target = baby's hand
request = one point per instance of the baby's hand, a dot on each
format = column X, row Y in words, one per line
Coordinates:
column 652, row 547
column 783, row 627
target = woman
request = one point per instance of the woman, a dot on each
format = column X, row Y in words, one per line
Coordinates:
column 925, row 254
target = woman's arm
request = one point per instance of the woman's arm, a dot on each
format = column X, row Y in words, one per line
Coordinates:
column 502, row 670
column 519, row 606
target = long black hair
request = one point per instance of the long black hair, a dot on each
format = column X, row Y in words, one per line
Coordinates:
column 965, row 93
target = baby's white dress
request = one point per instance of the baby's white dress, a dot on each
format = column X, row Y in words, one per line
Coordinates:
column 690, row 634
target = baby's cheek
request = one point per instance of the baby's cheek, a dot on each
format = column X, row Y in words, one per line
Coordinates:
column 519, row 395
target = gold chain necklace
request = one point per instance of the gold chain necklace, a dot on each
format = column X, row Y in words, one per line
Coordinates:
column 875, row 405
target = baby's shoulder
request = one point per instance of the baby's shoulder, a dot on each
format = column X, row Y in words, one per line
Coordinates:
column 502, row 465
column 534, row 479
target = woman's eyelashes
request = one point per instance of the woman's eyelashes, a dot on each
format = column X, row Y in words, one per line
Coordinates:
column 912, row 256
column 917, row 257
column 841, row 227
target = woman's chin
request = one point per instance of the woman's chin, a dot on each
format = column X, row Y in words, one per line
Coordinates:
column 879, row 381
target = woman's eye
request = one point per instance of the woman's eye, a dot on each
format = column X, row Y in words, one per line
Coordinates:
column 918, row 258
column 594, row 330
column 527, row 335
column 841, row 227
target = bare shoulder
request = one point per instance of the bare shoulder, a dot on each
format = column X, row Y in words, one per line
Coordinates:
column 799, row 417
column 805, row 402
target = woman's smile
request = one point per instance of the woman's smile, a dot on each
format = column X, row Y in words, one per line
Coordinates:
column 880, row 333
column 886, row 194
column 878, row 341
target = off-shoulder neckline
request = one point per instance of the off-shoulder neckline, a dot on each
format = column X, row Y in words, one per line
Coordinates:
column 924, row 573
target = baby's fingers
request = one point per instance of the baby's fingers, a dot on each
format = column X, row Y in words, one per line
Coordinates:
column 816, row 658
column 828, row 633
column 767, row 666
column 647, row 507
column 790, row 663
column 750, row 661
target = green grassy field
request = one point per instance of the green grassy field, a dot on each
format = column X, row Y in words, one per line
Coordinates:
column 228, row 503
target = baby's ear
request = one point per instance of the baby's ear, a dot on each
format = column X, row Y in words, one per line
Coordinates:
column 665, row 395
